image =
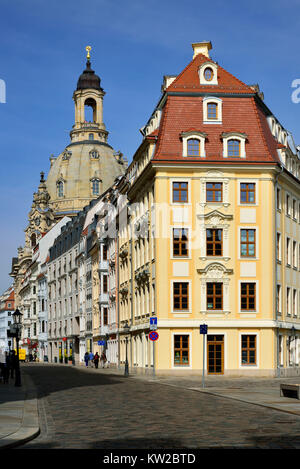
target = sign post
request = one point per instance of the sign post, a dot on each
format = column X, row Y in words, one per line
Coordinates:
column 203, row 331
column 153, row 336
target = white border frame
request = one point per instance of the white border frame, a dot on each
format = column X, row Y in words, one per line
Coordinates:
column 249, row 367
column 250, row 311
column 219, row 103
column 182, row 367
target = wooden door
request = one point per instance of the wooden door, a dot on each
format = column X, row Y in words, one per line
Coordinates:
column 215, row 354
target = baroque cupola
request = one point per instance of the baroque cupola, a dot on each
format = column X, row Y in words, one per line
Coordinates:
column 88, row 94
column 88, row 165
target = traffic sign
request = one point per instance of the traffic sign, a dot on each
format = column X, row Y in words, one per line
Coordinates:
column 153, row 323
column 153, row 335
column 203, row 329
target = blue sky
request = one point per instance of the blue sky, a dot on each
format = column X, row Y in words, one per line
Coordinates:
column 135, row 43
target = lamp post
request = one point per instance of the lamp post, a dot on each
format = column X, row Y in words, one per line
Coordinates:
column 17, row 318
column 126, row 329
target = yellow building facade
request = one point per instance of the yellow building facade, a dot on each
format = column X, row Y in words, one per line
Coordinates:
column 212, row 235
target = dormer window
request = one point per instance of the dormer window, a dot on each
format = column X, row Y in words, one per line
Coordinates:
column 208, row 73
column 234, row 145
column 193, row 144
column 212, row 110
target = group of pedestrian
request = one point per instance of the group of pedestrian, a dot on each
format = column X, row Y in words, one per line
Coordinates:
column 90, row 358
column 9, row 366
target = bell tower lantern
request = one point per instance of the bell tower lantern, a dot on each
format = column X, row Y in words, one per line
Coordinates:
column 88, row 94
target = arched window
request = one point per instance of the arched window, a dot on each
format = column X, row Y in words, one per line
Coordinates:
column 96, row 186
column 60, row 189
column 33, row 240
column 91, row 136
column 193, row 147
column 233, row 147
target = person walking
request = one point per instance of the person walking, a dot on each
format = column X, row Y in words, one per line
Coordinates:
column 103, row 359
column 91, row 358
column 86, row 358
column 96, row 360
column 13, row 363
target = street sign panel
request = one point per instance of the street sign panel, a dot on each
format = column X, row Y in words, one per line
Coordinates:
column 153, row 335
column 203, row 329
column 101, row 342
column 153, row 323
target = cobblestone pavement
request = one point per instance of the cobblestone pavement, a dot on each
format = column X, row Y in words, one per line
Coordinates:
column 85, row 410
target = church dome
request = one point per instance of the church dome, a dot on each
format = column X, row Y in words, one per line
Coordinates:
column 82, row 172
column 88, row 79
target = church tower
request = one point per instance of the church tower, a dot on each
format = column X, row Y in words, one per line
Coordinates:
column 89, row 165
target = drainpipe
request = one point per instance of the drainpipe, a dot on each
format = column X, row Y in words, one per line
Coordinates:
column 275, row 261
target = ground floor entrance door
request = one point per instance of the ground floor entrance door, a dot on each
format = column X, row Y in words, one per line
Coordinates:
column 215, row 354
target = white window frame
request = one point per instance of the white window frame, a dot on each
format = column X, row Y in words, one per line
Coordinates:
column 189, row 230
column 249, row 311
column 182, row 367
column 252, row 367
column 248, row 181
column 211, row 99
column 200, row 136
column 256, row 229
column 201, row 72
column 182, row 312
column 234, row 136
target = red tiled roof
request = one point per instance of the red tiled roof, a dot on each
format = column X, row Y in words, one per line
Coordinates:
column 188, row 80
column 184, row 111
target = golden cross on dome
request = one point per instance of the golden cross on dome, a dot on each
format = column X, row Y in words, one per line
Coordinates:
column 88, row 49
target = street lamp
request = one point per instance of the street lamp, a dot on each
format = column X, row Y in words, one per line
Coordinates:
column 17, row 318
column 126, row 329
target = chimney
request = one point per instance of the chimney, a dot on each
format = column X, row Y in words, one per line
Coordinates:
column 201, row 48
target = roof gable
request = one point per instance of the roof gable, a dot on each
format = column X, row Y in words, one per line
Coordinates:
column 188, row 80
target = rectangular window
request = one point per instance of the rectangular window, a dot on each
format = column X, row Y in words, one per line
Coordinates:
column 288, row 301
column 248, row 350
column 247, row 195
column 287, row 205
column 288, row 251
column 104, row 280
column 214, row 191
column 247, row 243
column 294, row 209
column 278, row 299
column 248, row 293
column 214, row 296
column 180, row 242
column 180, row 192
column 105, row 316
column 104, row 252
column 278, row 246
column 180, row 296
column 294, row 254
column 214, row 242
column 295, row 302
column 212, row 111
column 278, row 199
column 181, row 350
